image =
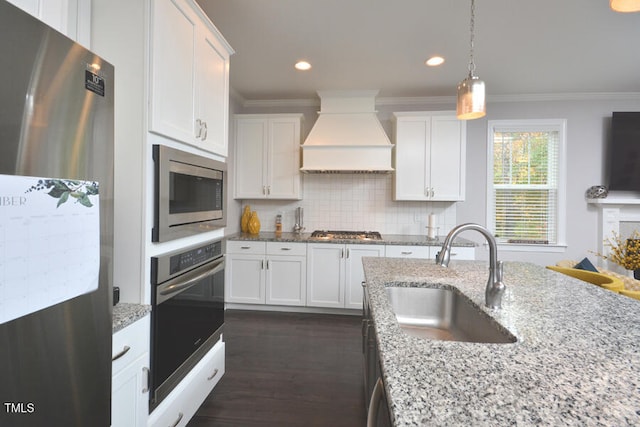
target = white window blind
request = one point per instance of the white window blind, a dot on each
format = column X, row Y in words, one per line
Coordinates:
column 525, row 184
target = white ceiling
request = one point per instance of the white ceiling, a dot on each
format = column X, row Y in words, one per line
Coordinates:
column 521, row 46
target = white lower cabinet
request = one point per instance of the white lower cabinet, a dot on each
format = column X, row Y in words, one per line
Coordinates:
column 335, row 273
column 271, row 273
column 429, row 252
column 182, row 403
column 130, row 375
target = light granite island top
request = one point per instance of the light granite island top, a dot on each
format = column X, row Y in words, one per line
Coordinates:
column 576, row 361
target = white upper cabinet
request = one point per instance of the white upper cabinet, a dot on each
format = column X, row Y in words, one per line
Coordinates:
column 267, row 156
column 71, row 17
column 189, row 76
column 430, row 156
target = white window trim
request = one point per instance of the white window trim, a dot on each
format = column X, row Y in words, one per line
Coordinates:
column 532, row 125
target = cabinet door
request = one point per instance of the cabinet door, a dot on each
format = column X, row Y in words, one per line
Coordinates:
column 447, row 158
column 283, row 167
column 251, row 152
column 173, row 44
column 325, row 275
column 286, row 280
column 354, row 271
column 130, row 395
column 411, row 151
column 244, row 279
column 212, row 93
column 70, row 17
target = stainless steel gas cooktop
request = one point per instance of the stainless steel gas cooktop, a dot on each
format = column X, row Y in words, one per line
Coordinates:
column 345, row 235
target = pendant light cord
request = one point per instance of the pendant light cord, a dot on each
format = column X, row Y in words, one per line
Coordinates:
column 472, row 65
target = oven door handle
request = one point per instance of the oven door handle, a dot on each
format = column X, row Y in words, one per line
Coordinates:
column 181, row 286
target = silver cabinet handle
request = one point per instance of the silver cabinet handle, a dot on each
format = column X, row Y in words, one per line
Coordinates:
column 213, row 375
column 124, row 351
column 245, row 247
column 285, row 249
column 406, row 252
column 267, row 264
column 341, row 253
column 198, row 128
column 146, row 372
column 374, row 404
column 206, row 131
column 348, row 254
column 262, row 265
column 433, row 193
column 180, row 415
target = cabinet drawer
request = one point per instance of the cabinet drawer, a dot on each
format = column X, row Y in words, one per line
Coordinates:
column 462, row 252
column 246, row 247
column 284, row 248
column 183, row 402
column 406, row 251
column 129, row 344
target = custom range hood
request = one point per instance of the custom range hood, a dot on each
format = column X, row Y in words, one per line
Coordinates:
column 347, row 137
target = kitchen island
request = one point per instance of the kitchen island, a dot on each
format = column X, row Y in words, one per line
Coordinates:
column 576, row 360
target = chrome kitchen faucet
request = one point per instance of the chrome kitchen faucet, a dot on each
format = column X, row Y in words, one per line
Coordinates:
column 495, row 288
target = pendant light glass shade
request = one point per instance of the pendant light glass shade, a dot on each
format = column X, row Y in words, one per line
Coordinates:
column 471, row 100
column 625, row 5
column 471, row 103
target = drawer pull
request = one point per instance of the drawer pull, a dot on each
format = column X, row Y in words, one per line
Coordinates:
column 406, row 252
column 180, row 415
column 124, row 351
column 213, row 375
column 245, row 247
column 285, row 249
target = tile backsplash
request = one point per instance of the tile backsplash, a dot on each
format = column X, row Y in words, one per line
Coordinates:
column 354, row 202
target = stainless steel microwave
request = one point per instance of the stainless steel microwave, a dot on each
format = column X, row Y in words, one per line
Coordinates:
column 190, row 193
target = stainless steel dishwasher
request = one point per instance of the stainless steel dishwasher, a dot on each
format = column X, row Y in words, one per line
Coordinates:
column 376, row 402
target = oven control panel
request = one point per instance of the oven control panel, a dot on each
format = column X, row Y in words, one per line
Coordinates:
column 188, row 259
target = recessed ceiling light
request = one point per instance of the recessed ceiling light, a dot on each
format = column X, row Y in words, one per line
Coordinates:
column 303, row 66
column 434, row 61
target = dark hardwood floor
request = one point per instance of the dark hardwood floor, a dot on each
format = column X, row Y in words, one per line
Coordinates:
column 288, row 369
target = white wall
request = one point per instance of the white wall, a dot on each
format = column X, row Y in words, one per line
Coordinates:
column 588, row 119
column 587, row 138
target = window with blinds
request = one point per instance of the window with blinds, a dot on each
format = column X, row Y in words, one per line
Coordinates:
column 525, row 181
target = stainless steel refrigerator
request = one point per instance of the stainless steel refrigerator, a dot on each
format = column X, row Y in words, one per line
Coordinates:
column 56, row 123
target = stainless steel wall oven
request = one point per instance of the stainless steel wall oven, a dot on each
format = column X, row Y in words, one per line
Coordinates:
column 188, row 313
column 190, row 193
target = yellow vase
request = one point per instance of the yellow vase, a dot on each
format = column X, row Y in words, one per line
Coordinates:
column 254, row 223
column 244, row 220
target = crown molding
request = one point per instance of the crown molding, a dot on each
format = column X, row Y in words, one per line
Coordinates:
column 429, row 100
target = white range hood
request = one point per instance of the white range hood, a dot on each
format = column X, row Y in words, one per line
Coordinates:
column 347, row 137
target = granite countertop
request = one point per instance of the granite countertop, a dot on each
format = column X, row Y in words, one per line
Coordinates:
column 576, row 361
column 125, row 314
column 387, row 239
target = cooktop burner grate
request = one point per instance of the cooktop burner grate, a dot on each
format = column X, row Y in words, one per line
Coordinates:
column 346, row 235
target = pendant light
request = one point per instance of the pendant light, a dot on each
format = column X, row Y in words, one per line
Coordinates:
column 625, row 5
column 471, row 102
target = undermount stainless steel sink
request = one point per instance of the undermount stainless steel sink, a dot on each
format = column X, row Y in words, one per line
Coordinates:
column 444, row 314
